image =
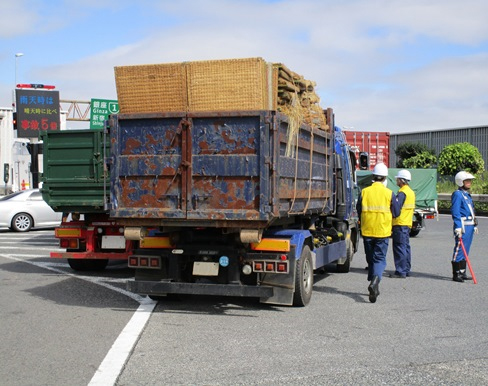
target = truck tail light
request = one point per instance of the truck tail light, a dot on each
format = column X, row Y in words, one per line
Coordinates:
column 69, row 243
column 270, row 266
column 153, row 262
column 258, row 266
column 283, row 267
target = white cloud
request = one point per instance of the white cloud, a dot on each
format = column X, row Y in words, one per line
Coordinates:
column 382, row 64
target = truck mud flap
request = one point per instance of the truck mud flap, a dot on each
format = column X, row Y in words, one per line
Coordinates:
column 162, row 288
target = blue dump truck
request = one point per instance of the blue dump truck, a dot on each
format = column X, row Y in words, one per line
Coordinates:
column 233, row 203
column 220, row 177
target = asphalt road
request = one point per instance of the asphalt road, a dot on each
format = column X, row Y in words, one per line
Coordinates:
column 58, row 328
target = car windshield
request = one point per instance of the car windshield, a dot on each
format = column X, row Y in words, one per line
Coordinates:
column 12, row 195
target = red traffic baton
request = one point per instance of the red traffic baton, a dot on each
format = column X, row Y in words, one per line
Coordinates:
column 467, row 261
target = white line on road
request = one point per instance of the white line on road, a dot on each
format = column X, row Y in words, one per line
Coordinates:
column 38, row 248
column 113, row 363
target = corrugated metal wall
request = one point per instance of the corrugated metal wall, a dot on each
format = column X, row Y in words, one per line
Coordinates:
column 437, row 140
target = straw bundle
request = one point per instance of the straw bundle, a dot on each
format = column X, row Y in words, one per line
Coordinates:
column 298, row 100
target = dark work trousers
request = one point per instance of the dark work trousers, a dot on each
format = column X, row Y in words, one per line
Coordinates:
column 376, row 249
column 401, row 249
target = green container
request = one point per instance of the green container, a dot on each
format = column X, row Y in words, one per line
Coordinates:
column 74, row 178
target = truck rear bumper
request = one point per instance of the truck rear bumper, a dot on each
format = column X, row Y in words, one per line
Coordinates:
column 91, row 255
column 162, row 288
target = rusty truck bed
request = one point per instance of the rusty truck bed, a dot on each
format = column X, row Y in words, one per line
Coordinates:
column 225, row 169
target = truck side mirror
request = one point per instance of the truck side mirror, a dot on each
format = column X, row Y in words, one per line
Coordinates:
column 363, row 161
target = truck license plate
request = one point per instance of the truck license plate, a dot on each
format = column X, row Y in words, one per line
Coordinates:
column 113, row 242
column 201, row 268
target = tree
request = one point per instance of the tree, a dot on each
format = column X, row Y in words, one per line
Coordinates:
column 408, row 150
column 424, row 160
column 460, row 156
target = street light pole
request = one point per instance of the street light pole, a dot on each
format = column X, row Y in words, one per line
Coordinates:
column 17, row 56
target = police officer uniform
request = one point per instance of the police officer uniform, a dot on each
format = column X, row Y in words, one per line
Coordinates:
column 462, row 211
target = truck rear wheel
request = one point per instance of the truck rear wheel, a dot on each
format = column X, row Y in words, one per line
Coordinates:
column 87, row 264
column 303, row 278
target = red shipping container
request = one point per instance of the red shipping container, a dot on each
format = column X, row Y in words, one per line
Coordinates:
column 375, row 143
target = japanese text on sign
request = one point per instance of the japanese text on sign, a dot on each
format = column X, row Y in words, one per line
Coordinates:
column 100, row 111
column 37, row 111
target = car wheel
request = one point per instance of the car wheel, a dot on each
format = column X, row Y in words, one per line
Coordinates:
column 22, row 222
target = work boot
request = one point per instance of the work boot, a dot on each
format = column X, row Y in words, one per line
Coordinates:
column 374, row 289
column 456, row 273
column 462, row 269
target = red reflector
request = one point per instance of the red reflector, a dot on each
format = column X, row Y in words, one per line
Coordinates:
column 69, row 243
column 283, row 257
column 282, row 267
column 258, row 266
column 133, row 261
column 270, row 267
column 144, row 262
column 154, row 262
column 74, row 244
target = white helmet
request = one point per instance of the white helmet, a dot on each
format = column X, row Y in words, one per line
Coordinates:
column 461, row 176
column 404, row 174
column 380, row 169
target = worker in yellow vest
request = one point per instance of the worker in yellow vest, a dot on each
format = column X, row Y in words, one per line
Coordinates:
column 402, row 224
column 376, row 207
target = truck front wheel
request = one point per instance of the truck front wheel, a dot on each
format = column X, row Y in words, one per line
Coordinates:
column 303, row 278
column 346, row 266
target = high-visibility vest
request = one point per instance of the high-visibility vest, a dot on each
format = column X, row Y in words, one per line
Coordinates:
column 376, row 214
column 406, row 214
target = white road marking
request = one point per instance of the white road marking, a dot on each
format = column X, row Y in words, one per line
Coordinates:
column 113, row 363
column 37, row 248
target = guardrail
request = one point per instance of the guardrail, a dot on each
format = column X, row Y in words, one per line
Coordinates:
column 475, row 197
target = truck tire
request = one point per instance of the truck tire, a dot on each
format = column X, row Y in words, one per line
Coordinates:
column 414, row 232
column 87, row 264
column 303, row 278
column 346, row 266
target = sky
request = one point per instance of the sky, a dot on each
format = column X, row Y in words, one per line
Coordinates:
column 382, row 65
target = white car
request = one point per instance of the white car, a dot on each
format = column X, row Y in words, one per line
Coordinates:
column 24, row 210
